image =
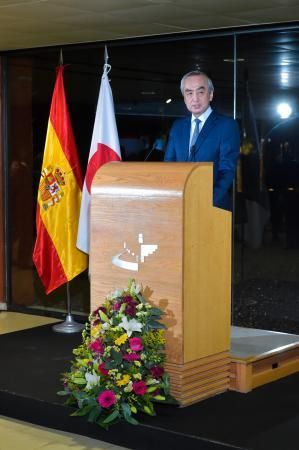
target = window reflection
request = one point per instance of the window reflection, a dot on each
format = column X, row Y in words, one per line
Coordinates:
column 144, row 75
column 267, row 219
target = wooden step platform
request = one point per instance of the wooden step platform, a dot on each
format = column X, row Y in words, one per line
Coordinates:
column 260, row 356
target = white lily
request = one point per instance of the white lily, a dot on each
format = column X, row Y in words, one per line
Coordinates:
column 114, row 294
column 129, row 387
column 135, row 288
column 92, row 380
column 130, row 325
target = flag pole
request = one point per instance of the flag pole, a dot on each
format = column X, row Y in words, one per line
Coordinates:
column 106, row 57
column 61, row 58
column 69, row 325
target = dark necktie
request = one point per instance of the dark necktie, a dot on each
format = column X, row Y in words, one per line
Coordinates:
column 194, row 138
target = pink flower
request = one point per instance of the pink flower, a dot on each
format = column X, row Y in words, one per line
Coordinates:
column 157, row 371
column 136, row 344
column 139, row 387
column 131, row 357
column 102, row 369
column 106, row 399
column 96, row 347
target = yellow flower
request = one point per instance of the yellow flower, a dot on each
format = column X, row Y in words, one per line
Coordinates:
column 95, row 330
column 85, row 361
column 123, row 381
column 121, row 340
column 154, row 338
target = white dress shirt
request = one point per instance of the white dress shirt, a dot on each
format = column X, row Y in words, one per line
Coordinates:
column 203, row 117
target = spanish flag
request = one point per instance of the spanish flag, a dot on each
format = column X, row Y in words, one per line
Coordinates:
column 55, row 255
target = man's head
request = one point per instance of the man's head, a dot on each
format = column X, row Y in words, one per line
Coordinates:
column 197, row 90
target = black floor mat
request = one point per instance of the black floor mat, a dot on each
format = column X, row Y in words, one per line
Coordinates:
column 33, row 360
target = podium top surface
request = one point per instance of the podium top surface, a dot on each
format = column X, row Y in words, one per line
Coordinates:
column 153, row 176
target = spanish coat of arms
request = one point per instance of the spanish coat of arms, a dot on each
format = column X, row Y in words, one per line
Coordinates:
column 51, row 186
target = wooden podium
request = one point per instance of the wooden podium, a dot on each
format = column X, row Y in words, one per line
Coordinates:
column 155, row 222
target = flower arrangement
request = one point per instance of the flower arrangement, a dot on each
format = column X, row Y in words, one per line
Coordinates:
column 118, row 369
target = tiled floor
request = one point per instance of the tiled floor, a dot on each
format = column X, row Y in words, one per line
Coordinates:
column 13, row 321
column 17, row 435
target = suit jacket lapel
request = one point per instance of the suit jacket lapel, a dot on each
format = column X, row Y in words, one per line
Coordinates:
column 208, row 126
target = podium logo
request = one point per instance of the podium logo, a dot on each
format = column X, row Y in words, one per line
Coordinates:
column 121, row 259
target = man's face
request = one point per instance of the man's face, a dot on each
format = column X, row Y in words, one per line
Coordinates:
column 196, row 94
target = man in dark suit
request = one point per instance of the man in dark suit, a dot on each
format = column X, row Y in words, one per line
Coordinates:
column 205, row 136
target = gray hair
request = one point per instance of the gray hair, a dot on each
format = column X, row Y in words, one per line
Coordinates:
column 194, row 73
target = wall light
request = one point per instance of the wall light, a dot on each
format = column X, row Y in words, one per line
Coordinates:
column 284, row 110
column 169, row 100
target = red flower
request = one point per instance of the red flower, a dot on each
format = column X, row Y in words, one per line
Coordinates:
column 157, row 371
column 102, row 369
column 96, row 322
column 130, row 305
column 130, row 309
column 139, row 387
column 131, row 357
column 106, row 399
column 116, row 306
column 136, row 344
column 100, row 308
column 96, row 347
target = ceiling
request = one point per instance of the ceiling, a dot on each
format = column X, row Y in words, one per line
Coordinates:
column 146, row 72
column 40, row 23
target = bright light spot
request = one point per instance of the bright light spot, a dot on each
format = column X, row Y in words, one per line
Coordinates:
column 284, row 110
column 285, row 62
column 284, row 77
column 169, row 100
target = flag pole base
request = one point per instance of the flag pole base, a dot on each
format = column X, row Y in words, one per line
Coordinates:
column 68, row 326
